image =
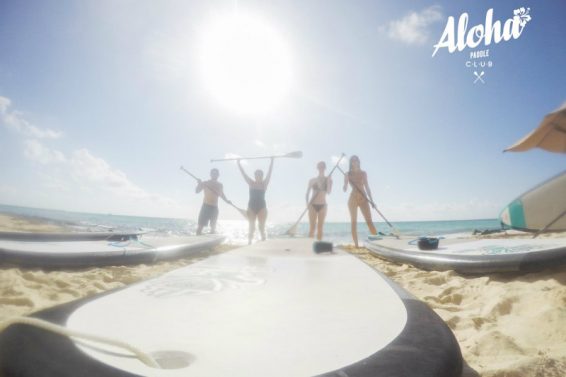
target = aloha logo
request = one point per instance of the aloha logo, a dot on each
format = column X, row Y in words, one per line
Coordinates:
column 458, row 38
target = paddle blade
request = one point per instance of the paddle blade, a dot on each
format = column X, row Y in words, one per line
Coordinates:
column 296, row 154
column 395, row 233
column 292, row 231
column 243, row 212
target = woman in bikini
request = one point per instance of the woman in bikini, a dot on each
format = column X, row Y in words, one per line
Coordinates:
column 357, row 178
column 257, row 208
column 319, row 186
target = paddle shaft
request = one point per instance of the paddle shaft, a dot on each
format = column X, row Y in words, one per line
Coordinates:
column 366, row 197
column 550, row 224
column 288, row 155
column 210, row 188
column 200, row 181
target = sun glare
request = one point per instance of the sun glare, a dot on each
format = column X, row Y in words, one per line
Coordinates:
column 245, row 63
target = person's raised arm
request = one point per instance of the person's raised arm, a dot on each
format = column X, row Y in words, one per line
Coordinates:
column 246, row 178
column 268, row 177
column 346, row 180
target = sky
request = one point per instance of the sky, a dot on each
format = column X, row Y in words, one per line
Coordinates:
column 102, row 101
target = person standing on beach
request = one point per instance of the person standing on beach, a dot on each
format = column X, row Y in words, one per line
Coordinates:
column 357, row 178
column 209, row 211
column 257, row 208
column 320, row 186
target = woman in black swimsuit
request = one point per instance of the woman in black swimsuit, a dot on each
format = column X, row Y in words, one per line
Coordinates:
column 320, row 186
column 257, row 208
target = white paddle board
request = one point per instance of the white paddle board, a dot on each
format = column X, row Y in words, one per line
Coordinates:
column 474, row 256
column 272, row 309
column 100, row 253
column 70, row 236
column 539, row 207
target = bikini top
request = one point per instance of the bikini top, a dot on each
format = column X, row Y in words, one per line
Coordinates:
column 318, row 186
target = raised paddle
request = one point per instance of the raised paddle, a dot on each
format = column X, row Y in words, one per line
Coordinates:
column 242, row 211
column 293, row 229
column 296, row 154
column 394, row 231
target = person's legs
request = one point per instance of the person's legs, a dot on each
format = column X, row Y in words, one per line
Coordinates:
column 320, row 223
column 312, row 221
column 353, row 207
column 202, row 219
column 261, row 218
column 251, row 220
column 213, row 220
column 364, row 207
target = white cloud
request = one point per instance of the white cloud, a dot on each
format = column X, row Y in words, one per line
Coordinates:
column 80, row 174
column 37, row 152
column 15, row 120
column 413, row 28
column 90, row 173
column 93, row 171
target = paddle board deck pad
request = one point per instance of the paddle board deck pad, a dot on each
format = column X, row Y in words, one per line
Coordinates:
column 274, row 309
column 70, row 236
column 473, row 255
column 56, row 254
column 538, row 207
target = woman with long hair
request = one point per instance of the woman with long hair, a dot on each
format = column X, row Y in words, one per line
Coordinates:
column 357, row 178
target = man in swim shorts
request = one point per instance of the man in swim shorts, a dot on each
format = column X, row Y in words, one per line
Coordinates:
column 209, row 211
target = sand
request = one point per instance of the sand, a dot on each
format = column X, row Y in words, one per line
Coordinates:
column 26, row 290
column 507, row 325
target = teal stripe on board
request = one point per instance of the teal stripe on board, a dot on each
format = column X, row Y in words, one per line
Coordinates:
column 517, row 215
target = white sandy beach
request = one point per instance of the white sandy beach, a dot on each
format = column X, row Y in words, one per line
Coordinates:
column 507, row 325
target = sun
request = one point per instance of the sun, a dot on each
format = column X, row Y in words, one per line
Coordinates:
column 245, row 63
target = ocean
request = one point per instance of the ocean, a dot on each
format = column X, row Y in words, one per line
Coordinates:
column 236, row 230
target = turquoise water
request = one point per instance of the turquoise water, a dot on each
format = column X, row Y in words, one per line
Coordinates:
column 236, row 231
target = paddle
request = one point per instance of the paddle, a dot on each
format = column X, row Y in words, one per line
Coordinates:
column 549, row 224
column 242, row 211
column 293, row 229
column 296, row 154
column 394, row 231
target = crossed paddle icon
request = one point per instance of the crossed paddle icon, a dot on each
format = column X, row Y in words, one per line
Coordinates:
column 479, row 76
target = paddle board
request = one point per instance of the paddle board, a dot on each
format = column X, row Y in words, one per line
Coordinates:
column 475, row 256
column 538, row 207
column 69, row 236
column 274, row 309
column 101, row 253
